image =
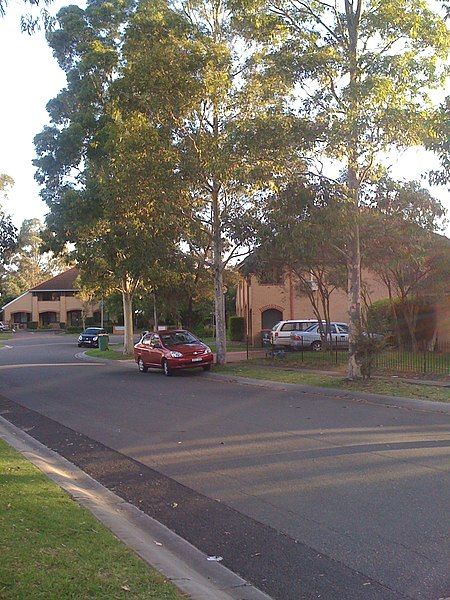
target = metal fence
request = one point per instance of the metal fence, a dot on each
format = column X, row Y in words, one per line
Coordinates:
column 390, row 360
column 424, row 362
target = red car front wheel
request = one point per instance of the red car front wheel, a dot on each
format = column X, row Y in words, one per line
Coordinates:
column 167, row 370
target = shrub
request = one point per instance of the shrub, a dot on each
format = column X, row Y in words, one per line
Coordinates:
column 74, row 329
column 62, row 325
column 367, row 349
column 90, row 322
column 380, row 318
column 32, row 325
column 237, row 328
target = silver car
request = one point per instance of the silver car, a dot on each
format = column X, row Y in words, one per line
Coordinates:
column 281, row 332
column 337, row 334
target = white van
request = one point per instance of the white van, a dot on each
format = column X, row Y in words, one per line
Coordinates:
column 281, row 332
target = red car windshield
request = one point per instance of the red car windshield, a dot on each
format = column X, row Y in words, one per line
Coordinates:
column 177, row 338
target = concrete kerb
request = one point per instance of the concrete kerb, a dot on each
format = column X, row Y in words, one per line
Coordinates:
column 394, row 401
column 180, row 562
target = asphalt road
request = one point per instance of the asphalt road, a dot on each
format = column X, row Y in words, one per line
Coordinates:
column 356, row 494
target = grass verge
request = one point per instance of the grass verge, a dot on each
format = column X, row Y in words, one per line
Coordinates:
column 53, row 548
column 386, row 387
column 109, row 354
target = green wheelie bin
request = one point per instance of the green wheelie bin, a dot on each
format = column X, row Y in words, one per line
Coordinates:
column 103, row 340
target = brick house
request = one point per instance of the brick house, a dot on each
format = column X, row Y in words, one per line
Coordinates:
column 263, row 303
column 50, row 303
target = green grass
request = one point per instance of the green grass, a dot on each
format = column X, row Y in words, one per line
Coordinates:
column 51, row 548
column 109, row 354
column 375, row 386
column 6, row 336
column 389, row 361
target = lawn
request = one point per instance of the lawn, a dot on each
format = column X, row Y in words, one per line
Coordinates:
column 389, row 361
column 5, row 336
column 376, row 386
column 52, row 548
column 110, row 354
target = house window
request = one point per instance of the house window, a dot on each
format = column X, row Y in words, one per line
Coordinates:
column 21, row 317
column 48, row 296
column 271, row 276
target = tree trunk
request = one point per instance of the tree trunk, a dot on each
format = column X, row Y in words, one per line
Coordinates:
column 219, row 300
column 155, row 315
column 354, row 302
column 128, row 342
column 353, row 15
column 410, row 314
column 189, row 313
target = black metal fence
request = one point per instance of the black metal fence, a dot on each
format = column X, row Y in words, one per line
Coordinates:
column 389, row 360
column 422, row 362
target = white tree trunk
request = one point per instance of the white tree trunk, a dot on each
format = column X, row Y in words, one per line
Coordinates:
column 128, row 342
column 219, row 300
column 354, row 309
column 354, row 285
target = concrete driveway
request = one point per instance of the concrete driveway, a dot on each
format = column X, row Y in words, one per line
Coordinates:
column 363, row 490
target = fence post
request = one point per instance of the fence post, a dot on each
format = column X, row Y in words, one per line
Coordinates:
column 301, row 344
column 336, row 350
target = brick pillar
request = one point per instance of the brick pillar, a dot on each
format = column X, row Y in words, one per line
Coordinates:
column 35, row 309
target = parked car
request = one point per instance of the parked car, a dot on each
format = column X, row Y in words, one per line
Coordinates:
column 89, row 337
column 171, row 350
column 281, row 332
column 311, row 338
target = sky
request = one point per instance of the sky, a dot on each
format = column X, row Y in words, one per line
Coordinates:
column 30, row 77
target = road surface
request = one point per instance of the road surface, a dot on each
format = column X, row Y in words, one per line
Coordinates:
column 322, row 497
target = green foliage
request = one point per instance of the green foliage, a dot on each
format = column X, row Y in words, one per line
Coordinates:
column 116, row 124
column 367, row 349
column 366, row 72
column 32, row 325
column 391, row 320
column 73, row 329
column 8, row 232
column 29, row 265
column 236, row 327
column 379, row 318
column 437, row 142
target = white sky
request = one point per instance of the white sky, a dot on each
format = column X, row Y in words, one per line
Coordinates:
column 30, row 77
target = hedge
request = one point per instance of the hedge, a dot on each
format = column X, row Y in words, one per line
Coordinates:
column 236, row 327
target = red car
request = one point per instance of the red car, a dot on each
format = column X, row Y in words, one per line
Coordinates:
column 170, row 350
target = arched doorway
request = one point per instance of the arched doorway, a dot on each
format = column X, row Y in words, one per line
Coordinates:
column 21, row 318
column 74, row 318
column 270, row 317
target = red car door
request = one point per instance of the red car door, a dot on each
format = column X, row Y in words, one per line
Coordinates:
column 155, row 350
column 144, row 348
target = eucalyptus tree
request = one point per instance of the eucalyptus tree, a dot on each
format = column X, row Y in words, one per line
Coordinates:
column 237, row 140
column 107, row 166
column 365, row 69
